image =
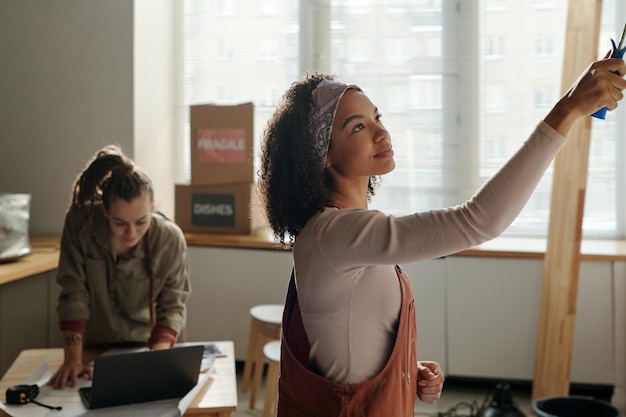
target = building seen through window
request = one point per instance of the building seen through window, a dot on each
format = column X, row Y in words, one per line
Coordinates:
column 460, row 85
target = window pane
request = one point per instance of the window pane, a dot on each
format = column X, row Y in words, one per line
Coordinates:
column 504, row 76
column 524, row 82
column 224, row 64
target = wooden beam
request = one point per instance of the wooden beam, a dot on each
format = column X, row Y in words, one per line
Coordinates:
column 562, row 261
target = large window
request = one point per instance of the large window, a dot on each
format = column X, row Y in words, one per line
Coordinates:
column 460, row 85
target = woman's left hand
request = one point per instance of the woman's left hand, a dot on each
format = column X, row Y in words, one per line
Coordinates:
column 429, row 381
column 161, row 345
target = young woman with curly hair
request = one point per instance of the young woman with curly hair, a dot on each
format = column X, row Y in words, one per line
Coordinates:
column 123, row 266
column 349, row 337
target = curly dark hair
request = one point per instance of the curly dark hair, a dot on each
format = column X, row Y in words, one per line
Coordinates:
column 292, row 186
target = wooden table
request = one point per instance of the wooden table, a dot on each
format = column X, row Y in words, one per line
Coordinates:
column 217, row 398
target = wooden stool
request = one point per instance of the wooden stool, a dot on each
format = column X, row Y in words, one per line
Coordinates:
column 264, row 327
column 271, row 350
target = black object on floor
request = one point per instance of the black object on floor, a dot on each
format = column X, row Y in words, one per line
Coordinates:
column 502, row 404
column 574, row 406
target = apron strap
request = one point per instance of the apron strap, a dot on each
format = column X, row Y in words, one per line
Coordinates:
column 294, row 334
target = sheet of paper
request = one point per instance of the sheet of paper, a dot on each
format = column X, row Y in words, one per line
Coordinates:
column 73, row 406
column 211, row 351
column 185, row 402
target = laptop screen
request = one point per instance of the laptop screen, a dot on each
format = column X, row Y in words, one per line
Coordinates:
column 128, row 378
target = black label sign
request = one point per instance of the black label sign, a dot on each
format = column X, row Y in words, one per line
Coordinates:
column 213, row 210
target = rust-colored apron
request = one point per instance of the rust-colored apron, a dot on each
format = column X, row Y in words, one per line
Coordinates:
column 391, row 393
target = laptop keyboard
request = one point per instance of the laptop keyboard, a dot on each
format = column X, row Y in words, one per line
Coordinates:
column 85, row 393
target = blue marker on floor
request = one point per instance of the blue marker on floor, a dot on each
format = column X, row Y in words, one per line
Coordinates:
column 618, row 52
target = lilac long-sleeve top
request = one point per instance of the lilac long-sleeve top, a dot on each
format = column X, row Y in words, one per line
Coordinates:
column 347, row 288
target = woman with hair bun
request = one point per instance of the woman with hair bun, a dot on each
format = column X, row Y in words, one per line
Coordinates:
column 123, row 266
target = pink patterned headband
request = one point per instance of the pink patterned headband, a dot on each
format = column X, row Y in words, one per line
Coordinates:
column 326, row 97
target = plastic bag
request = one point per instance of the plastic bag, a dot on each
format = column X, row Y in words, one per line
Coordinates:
column 14, row 218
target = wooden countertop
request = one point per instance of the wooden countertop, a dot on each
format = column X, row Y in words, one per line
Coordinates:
column 257, row 241
column 501, row 247
column 45, row 257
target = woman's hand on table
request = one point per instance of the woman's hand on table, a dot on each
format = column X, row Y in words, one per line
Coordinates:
column 68, row 373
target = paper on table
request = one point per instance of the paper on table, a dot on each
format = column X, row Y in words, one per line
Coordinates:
column 73, row 406
column 65, row 398
column 185, row 402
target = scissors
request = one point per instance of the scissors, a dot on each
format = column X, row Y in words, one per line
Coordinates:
column 618, row 52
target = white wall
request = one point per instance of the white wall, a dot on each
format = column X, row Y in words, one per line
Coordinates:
column 66, row 89
column 619, row 319
column 154, row 100
column 77, row 75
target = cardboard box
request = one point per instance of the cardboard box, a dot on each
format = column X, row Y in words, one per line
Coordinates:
column 221, row 144
column 220, row 209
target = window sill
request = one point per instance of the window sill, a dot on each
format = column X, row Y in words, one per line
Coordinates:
column 502, row 247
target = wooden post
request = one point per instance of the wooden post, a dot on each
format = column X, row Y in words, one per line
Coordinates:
column 562, row 261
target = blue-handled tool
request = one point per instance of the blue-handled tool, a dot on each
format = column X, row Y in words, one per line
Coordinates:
column 618, row 52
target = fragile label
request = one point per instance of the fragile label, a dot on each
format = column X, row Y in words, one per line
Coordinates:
column 221, row 145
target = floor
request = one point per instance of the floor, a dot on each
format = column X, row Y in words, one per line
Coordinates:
column 459, row 399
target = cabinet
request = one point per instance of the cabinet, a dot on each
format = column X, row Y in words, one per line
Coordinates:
column 493, row 313
column 429, row 287
column 27, row 316
column 28, row 299
column 476, row 316
column 619, row 300
column 225, row 284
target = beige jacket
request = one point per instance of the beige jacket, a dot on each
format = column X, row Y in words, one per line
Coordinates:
column 112, row 294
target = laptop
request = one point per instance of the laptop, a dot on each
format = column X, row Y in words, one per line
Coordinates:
column 129, row 378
